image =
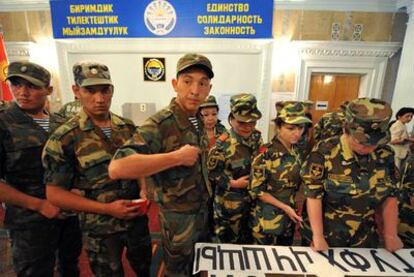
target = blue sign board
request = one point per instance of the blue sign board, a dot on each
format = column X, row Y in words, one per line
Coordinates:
column 162, row 18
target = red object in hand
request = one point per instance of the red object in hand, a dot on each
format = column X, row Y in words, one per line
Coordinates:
column 142, row 204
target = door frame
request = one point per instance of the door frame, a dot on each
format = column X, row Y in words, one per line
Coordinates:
column 369, row 59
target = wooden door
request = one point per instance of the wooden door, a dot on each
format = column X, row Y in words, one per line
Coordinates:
column 329, row 91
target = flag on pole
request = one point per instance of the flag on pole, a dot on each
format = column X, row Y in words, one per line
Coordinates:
column 6, row 94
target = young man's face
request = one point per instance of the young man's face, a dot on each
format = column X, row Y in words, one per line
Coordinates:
column 359, row 148
column 95, row 100
column 192, row 88
column 28, row 96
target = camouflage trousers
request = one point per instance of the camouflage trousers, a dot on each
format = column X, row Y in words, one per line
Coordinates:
column 336, row 236
column 105, row 251
column 179, row 233
column 406, row 224
column 231, row 217
column 35, row 249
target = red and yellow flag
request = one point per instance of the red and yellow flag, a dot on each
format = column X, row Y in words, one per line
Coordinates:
column 4, row 88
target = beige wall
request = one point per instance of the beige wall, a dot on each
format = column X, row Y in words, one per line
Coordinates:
column 316, row 25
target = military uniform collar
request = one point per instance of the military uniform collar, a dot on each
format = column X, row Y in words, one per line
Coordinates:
column 180, row 116
column 19, row 114
column 278, row 146
column 347, row 153
column 241, row 140
column 85, row 123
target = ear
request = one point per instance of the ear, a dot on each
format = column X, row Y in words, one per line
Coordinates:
column 174, row 83
column 76, row 91
column 49, row 90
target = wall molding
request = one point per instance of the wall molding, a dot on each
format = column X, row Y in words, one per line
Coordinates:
column 338, row 5
column 18, row 50
column 348, row 48
column 24, row 5
column 369, row 59
column 321, row 5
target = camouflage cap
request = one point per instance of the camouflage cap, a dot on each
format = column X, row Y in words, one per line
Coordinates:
column 367, row 120
column 244, row 107
column 293, row 112
column 308, row 103
column 91, row 74
column 280, row 104
column 209, row 102
column 31, row 72
column 195, row 60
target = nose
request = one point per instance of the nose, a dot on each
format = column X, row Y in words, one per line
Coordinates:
column 99, row 97
column 194, row 88
column 298, row 133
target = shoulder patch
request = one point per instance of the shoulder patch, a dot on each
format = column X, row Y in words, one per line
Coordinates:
column 262, row 149
column 316, row 170
column 223, row 137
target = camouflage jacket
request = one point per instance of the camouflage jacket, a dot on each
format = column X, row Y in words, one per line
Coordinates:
column 406, row 210
column 275, row 171
column 329, row 125
column 21, row 144
column 351, row 187
column 231, row 158
column 219, row 129
column 183, row 189
column 77, row 155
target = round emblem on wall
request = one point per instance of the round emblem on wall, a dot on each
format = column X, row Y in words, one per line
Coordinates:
column 160, row 17
column 154, row 69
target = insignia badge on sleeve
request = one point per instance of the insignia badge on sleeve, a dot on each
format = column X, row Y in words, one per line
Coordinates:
column 212, row 162
column 316, row 170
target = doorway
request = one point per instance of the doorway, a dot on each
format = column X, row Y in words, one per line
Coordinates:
column 329, row 91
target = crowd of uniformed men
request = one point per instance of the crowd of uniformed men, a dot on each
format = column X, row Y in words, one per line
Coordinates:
column 74, row 178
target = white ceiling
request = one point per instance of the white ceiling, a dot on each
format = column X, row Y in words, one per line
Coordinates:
column 333, row 5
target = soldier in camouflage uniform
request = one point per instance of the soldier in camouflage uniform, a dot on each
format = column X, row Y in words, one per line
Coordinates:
column 209, row 113
column 177, row 146
column 70, row 109
column 304, row 144
column 406, row 204
column 229, row 164
column 39, row 232
column 77, row 156
column 276, row 180
column 348, row 177
column 330, row 124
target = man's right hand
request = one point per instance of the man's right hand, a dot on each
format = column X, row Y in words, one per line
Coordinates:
column 48, row 210
column 122, row 209
column 240, row 183
column 188, row 155
column 319, row 243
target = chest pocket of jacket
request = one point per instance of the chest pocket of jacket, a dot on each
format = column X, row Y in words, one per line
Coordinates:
column 339, row 184
column 94, row 167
